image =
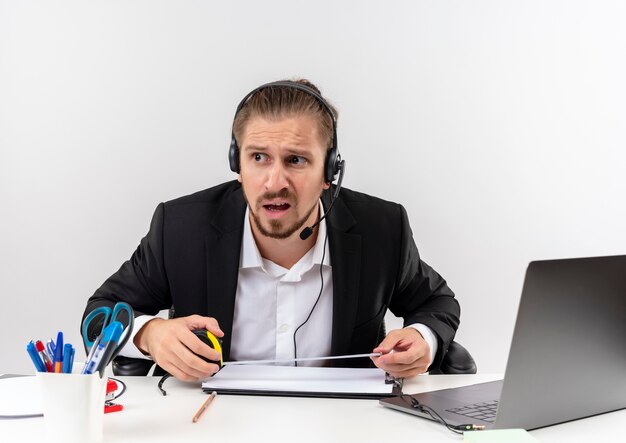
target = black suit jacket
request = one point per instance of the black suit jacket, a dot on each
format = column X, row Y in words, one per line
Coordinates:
column 189, row 260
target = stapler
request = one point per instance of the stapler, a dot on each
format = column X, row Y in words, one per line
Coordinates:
column 109, row 406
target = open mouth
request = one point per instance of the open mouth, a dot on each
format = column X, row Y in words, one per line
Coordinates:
column 280, row 207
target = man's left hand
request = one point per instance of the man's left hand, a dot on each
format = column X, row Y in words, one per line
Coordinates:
column 410, row 356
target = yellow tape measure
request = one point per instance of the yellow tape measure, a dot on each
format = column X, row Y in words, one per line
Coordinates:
column 211, row 340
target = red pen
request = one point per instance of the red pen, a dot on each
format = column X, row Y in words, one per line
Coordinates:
column 41, row 349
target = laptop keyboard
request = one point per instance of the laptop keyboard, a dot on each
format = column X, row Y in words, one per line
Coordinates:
column 485, row 411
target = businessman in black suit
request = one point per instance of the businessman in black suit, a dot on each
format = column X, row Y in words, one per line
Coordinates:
column 279, row 263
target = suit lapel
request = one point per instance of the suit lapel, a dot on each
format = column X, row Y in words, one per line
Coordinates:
column 345, row 253
column 222, row 252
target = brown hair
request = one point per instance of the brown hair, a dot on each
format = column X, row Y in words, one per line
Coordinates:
column 279, row 101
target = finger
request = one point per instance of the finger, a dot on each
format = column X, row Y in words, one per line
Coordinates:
column 395, row 367
column 193, row 365
column 396, row 363
column 403, row 357
column 387, row 366
column 214, row 327
column 388, row 343
column 197, row 346
column 405, row 370
column 191, row 351
column 169, row 361
column 208, row 323
column 172, row 350
column 178, row 373
column 399, row 340
column 172, row 345
column 408, row 373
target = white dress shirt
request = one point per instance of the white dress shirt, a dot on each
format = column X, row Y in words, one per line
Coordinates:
column 273, row 301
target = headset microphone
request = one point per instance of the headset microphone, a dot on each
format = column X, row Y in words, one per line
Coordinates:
column 306, row 232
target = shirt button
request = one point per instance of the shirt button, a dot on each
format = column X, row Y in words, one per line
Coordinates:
column 283, row 328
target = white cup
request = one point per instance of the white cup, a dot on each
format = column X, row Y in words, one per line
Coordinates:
column 73, row 406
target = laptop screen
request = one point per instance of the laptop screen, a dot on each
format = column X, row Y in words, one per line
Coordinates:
column 568, row 352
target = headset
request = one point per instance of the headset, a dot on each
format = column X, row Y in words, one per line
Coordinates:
column 333, row 164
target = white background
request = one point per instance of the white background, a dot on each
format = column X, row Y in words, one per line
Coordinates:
column 499, row 125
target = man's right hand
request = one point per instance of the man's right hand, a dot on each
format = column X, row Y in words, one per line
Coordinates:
column 172, row 344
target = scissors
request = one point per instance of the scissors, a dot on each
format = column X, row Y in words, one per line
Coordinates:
column 110, row 315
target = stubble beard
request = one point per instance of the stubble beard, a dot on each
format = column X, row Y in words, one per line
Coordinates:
column 277, row 229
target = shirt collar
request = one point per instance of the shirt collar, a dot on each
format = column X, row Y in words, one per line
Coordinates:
column 251, row 257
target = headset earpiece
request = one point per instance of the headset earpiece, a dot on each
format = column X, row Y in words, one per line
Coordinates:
column 332, row 165
column 233, row 155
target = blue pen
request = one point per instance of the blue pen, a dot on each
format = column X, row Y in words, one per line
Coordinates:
column 72, row 359
column 58, row 353
column 50, row 347
column 96, row 342
column 68, row 353
column 34, row 356
column 109, row 342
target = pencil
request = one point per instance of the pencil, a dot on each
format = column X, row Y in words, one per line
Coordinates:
column 204, row 407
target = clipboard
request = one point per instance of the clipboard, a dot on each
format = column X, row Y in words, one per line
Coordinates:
column 291, row 381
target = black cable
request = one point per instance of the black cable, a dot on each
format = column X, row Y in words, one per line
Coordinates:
column 117, row 380
column 160, row 385
column 458, row 429
column 295, row 348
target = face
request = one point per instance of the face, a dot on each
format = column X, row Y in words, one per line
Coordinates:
column 282, row 164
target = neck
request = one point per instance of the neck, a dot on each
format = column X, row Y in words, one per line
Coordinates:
column 288, row 251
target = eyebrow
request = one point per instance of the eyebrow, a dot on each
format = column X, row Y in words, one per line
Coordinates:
column 289, row 151
column 254, row 148
column 299, row 152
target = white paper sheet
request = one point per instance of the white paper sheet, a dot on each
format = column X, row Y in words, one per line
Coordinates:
column 300, row 379
column 20, row 396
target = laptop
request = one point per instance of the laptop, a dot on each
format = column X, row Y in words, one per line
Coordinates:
column 567, row 358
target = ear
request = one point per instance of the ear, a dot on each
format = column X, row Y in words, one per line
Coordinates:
column 326, row 186
column 239, row 178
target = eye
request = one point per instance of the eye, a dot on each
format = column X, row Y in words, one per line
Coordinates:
column 259, row 157
column 296, row 160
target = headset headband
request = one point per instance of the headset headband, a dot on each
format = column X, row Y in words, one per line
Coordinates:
column 294, row 85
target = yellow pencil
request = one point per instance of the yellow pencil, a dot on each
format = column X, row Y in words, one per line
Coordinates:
column 204, row 407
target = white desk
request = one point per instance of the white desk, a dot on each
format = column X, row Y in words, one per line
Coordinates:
column 150, row 417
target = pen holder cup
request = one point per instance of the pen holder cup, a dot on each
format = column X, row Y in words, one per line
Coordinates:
column 73, row 406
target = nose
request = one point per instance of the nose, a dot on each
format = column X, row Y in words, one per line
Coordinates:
column 277, row 178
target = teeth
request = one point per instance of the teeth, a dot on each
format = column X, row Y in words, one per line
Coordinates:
column 280, row 207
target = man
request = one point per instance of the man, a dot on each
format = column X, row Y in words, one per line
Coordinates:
column 280, row 264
